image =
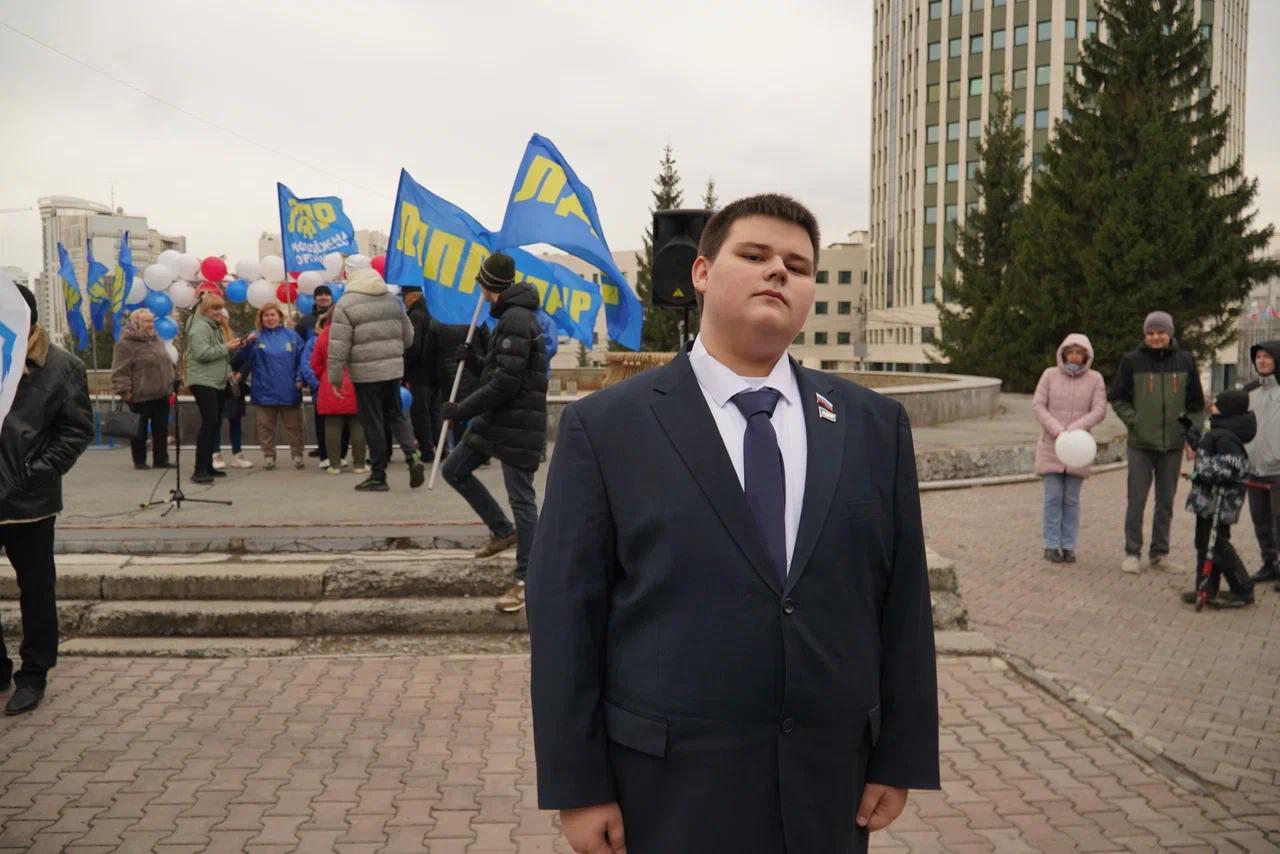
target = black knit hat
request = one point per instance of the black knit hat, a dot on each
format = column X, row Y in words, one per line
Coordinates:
column 1233, row 402
column 31, row 302
column 497, row 273
column 322, row 291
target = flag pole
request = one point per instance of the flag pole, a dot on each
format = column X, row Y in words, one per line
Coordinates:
column 453, row 394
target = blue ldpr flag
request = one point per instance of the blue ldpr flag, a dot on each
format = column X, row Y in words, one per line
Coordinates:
column 438, row 247
column 312, row 228
column 120, row 284
column 549, row 204
column 72, row 296
column 99, row 299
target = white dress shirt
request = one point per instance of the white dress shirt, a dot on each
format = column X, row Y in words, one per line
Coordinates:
column 719, row 384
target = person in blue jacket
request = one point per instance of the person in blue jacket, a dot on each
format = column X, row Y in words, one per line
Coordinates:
column 276, row 392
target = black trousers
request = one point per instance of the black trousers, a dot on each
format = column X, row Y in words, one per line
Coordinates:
column 29, row 547
column 424, row 415
column 1225, row 560
column 209, row 402
column 380, row 414
column 156, row 414
column 1264, row 509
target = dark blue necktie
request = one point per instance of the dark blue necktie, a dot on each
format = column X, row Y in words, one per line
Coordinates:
column 763, row 473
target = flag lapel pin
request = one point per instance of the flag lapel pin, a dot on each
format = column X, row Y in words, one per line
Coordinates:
column 825, row 409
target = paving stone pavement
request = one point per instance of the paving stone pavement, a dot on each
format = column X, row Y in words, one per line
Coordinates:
column 1203, row 689
column 387, row 754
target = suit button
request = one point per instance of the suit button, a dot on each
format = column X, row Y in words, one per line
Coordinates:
column 788, row 725
column 788, row 607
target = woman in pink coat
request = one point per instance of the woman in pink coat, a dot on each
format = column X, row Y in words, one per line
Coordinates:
column 1070, row 396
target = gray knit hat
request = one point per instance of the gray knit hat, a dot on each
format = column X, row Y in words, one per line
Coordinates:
column 497, row 273
column 1158, row 321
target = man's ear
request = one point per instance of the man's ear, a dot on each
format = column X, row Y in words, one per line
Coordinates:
column 701, row 274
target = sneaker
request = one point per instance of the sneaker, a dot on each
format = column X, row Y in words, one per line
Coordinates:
column 1131, row 564
column 164, row 465
column 334, row 469
column 216, row 473
column 202, row 477
column 1270, row 572
column 1232, row 596
column 346, row 463
column 314, row 452
column 360, row 470
column 1189, row 597
column 269, row 463
column 417, row 472
column 1225, row 600
column 372, row 484
column 142, row 467
column 1164, row 564
column 495, row 545
column 218, row 463
column 1068, row 556
column 511, row 602
column 324, row 463
column 299, row 462
column 1053, row 555
column 241, row 462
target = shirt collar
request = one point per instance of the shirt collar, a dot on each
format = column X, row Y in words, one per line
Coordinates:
column 722, row 384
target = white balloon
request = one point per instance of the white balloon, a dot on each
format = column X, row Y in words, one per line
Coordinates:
column 172, row 351
column 169, row 259
column 182, row 294
column 248, row 269
column 394, row 290
column 189, row 268
column 157, row 276
column 273, row 268
column 261, row 292
column 333, row 264
column 309, row 281
column 1075, row 448
column 137, row 291
column 356, row 262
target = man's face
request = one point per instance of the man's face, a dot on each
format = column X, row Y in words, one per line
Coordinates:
column 324, row 302
column 1157, row 339
column 1265, row 363
column 759, row 288
column 490, row 296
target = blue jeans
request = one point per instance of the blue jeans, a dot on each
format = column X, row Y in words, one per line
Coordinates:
column 1061, row 511
column 459, row 468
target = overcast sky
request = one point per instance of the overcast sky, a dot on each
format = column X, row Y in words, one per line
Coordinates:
column 760, row 96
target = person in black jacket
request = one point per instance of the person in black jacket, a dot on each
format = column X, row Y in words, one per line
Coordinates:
column 508, row 415
column 45, row 432
column 446, row 343
column 419, row 376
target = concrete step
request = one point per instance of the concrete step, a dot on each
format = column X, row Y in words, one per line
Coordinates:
column 461, row 643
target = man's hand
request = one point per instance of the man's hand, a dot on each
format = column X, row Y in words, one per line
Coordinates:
column 598, row 829
column 880, row 806
column 1189, row 452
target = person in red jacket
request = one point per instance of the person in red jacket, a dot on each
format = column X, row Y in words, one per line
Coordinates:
column 338, row 408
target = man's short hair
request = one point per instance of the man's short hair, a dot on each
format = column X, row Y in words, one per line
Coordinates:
column 772, row 205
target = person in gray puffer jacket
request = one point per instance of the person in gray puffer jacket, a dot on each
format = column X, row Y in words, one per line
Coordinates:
column 1264, row 458
column 368, row 337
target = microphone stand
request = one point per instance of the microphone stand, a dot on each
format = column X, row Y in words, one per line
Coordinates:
column 176, row 497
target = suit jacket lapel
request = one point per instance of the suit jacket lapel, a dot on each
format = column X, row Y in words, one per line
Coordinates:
column 822, row 471
column 682, row 411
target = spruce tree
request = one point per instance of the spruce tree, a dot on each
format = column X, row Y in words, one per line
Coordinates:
column 1130, row 214
column 661, row 325
column 974, row 318
column 710, row 200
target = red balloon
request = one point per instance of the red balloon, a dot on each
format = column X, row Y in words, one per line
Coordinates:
column 287, row 292
column 213, row 268
column 379, row 263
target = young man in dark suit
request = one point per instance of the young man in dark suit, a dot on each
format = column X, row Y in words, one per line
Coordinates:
column 728, row 598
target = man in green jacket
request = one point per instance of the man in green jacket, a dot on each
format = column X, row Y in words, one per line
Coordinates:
column 1156, row 384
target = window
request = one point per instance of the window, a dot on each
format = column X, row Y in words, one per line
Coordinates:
column 927, row 293
column 953, row 131
column 821, row 278
column 935, row 10
column 975, row 85
column 971, row 169
column 975, row 128
column 935, row 51
column 997, row 40
column 997, row 82
column 1019, row 120
column 931, row 133
column 1068, row 73
column 1066, row 114
column 975, row 44
column 927, row 335
column 1020, row 34
column 997, row 3
column 844, row 307
column 930, row 255
column 955, row 47
column 957, row 7
column 1044, row 31
column 1071, row 29
column 953, row 172
column 953, row 88
column 1206, row 30
column 1020, row 78
column 842, row 337
column 799, row 339
column 934, row 93
column 952, row 212
column 931, row 214
column 1042, row 75
column 820, row 307
column 820, row 338
column 1090, row 28
column 845, row 277
column 931, row 174
column 977, row 5
column 1042, row 119
column 1037, row 162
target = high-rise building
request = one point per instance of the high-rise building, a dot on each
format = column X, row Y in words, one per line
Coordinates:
column 936, row 66
column 831, row 337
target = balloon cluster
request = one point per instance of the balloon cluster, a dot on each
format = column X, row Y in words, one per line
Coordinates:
column 261, row 282
column 173, row 282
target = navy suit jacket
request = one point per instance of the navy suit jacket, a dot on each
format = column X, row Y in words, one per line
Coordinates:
column 674, row 674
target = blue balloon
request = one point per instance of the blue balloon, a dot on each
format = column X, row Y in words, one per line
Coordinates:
column 406, row 398
column 159, row 304
column 237, row 290
column 336, row 290
column 166, row 328
column 306, row 303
